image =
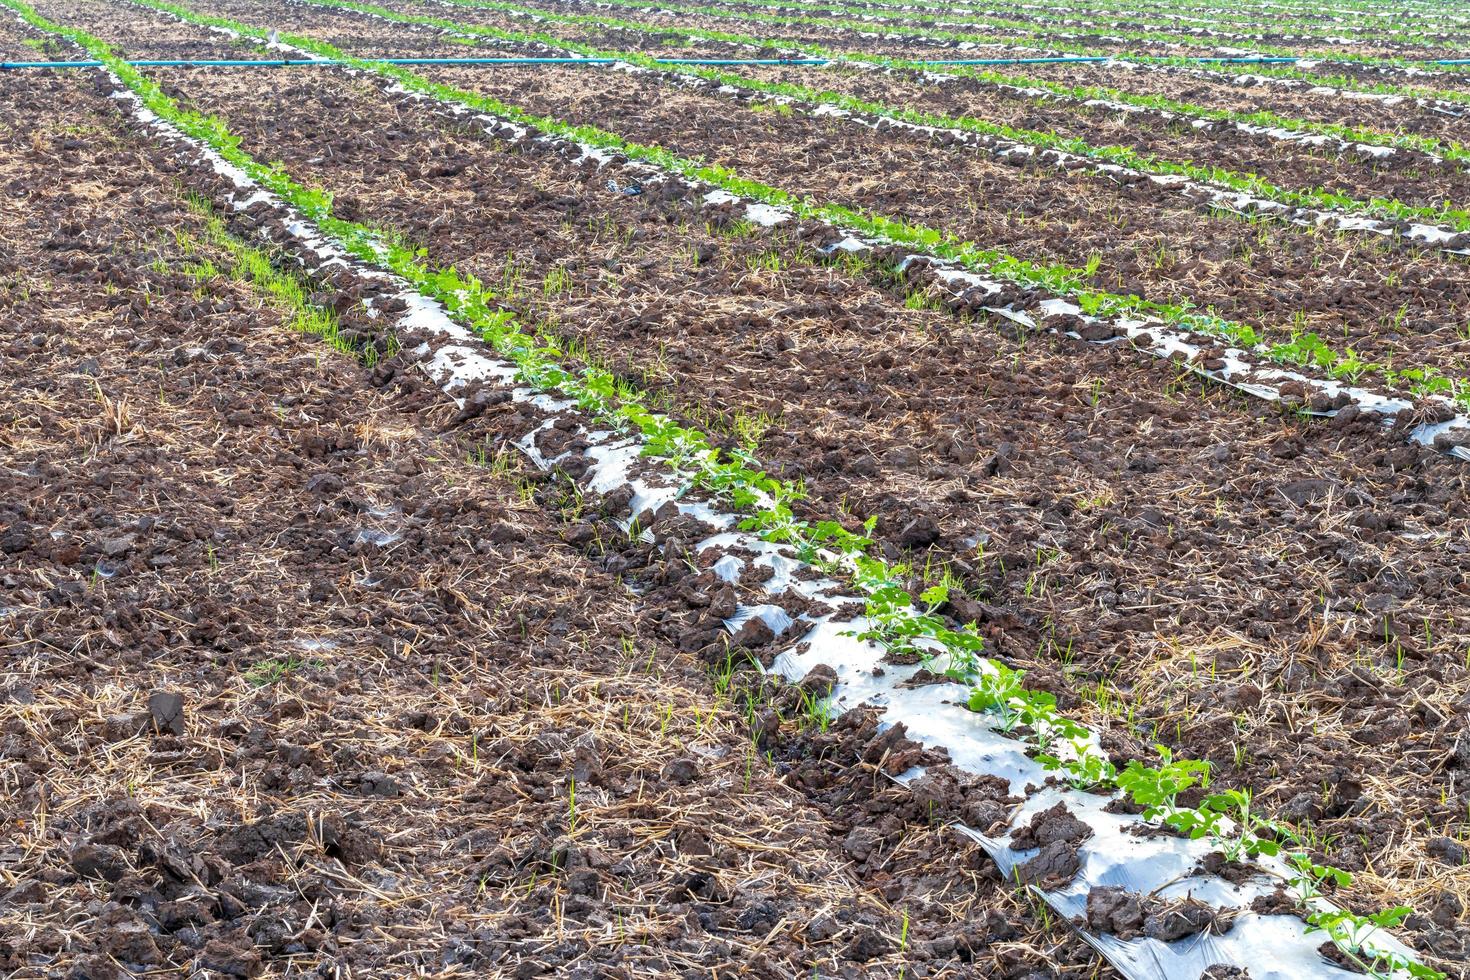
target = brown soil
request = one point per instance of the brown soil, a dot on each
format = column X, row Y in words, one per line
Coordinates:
column 294, row 688
column 1224, row 91
column 1152, row 240
column 1283, row 598
column 919, row 47
column 1074, row 29
column 1099, row 37
column 1409, row 177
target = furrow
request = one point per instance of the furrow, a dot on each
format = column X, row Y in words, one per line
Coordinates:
column 1246, row 195
column 1110, row 854
column 972, row 288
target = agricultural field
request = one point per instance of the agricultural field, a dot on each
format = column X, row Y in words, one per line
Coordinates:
column 735, row 488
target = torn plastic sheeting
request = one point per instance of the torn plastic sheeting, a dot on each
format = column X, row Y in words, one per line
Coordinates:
column 755, row 212
column 777, row 620
column 784, row 569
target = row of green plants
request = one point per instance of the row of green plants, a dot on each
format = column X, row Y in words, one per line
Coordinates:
column 896, row 619
column 1289, row 72
column 1030, row 23
column 1313, row 77
column 1446, row 149
column 1130, row 11
column 1028, row 37
column 1235, row 181
column 1316, row 198
column 1286, row 11
column 1228, row 819
column 908, row 626
column 1301, row 349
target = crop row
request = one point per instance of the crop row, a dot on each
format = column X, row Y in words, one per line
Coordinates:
column 1301, row 350
column 1248, row 14
column 895, row 617
column 1369, row 79
column 1376, row 21
column 1438, row 112
column 1349, row 139
column 1340, row 98
column 1308, row 73
column 1125, row 26
column 1221, row 187
column 902, row 42
column 1013, row 33
column 994, row 28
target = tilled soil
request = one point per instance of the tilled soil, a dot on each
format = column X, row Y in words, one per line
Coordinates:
column 1263, row 29
column 1213, row 90
column 388, row 40
column 294, row 688
column 1268, row 595
column 1100, row 37
column 1282, row 598
column 1407, row 176
column 1218, row 90
column 874, row 41
column 1079, row 30
column 1150, row 240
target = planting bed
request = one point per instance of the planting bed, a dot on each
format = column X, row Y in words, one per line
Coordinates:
column 1204, row 89
column 1412, row 175
column 1216, row 90
column 1081, row 30
column 291, row 686
column 1207, row 88
column 921, row 44
column 1082, row 36
column 1150, row 240
column 310, row 671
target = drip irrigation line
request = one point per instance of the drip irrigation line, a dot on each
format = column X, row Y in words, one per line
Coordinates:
column 331, row 62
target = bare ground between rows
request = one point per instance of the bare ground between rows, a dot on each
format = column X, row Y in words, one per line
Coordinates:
column 345, row 30
column 292, row 688
column 1388, row 304
column 1272, row 513
column 1353, row 289
column 1229, row 657
column 1409, row 178
column 1262, row 31
column 1402, row 117
column 919, row 48
column 660, row 35
column 975, row 35
column 1092, row 35
column 1298, row 102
